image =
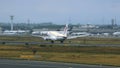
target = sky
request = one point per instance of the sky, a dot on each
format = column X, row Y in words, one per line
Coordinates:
column 61, row 11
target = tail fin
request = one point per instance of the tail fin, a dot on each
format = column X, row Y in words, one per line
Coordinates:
column 66, row 30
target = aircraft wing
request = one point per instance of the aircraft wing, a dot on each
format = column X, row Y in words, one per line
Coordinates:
column 72, row 37
column 38, row 36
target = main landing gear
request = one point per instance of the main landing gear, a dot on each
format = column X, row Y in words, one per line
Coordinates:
column 54, row 42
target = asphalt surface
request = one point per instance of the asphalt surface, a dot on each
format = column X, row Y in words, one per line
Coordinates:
column 47, row 43
column 5, row 63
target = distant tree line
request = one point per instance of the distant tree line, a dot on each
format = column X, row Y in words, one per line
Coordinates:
column 49, row 25
column 29, row 26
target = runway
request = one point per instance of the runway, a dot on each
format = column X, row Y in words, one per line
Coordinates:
column 4, row 63
column 48, row 43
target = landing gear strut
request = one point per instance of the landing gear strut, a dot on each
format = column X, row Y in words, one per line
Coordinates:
column 52, row 41
column 61, row 41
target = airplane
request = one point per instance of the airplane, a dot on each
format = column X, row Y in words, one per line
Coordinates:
column 13, row 32
column 57, row 35
column 116, row 33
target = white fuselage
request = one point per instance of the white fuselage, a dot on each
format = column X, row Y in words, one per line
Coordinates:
column 55, row 35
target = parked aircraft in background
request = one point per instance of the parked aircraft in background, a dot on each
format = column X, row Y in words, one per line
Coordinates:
column 78, row 34
column 116, row 33
column 14, row 32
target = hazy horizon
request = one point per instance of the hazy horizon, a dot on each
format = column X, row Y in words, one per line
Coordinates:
column 61, row 11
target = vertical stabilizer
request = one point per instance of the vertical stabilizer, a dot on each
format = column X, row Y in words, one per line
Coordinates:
column 66, row 30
